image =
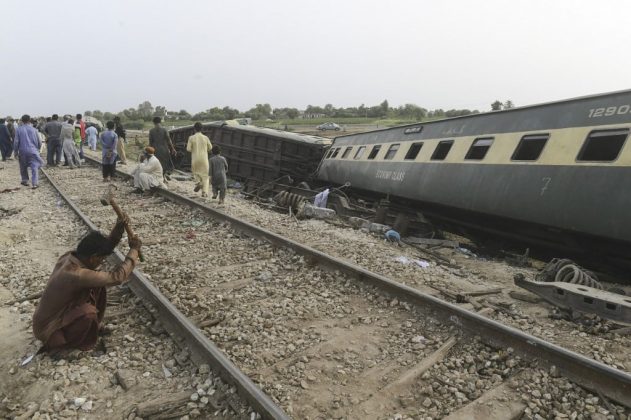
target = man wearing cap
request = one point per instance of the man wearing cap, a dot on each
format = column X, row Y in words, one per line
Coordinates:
column 148, row 174
column 71, row 309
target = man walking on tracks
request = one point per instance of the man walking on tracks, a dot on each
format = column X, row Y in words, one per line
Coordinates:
column 160, row 140
column 67, row 144
column 26, row 146
column 71, row 309
column 109, row 139
column 199, row 145
column 218, row 171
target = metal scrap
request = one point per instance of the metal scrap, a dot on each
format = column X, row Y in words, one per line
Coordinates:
column 580, row 298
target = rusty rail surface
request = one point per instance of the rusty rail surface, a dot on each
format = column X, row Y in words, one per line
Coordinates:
column 202, row 349
column 591, row 374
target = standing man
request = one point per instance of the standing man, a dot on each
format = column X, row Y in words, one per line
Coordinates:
column 160, row 140
column 199, row 145
column 67, row 144
column 79, row 134
column 11, row 127
column 148, row 174
column 92, row 133
column 218, row 171
column 5, row 141
column 71, row 309
column 26, row 146
column 108, row 145
column 122, row 136
column 52, row 129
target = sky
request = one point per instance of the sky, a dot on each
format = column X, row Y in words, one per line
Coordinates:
column 68, row 56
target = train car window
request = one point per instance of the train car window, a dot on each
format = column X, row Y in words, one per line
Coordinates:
column 530, row 147
column 360, row 152
column 329, row 153
column 479, row 147
column 603, row 145
column 442, row 150
column 413, row 151
column 374, row 151
column 347, row 152
column 392, row 151
column 335, row 152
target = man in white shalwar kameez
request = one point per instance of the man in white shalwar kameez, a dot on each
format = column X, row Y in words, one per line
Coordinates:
column 199, row 146
column 148, row 174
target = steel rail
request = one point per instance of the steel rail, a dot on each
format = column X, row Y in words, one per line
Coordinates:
column 202, row 349
column 613, row 383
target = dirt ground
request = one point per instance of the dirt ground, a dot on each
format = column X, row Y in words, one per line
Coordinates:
column 35, row 229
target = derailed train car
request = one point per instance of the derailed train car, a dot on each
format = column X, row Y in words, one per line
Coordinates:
column 555, row 174
column 254, row 153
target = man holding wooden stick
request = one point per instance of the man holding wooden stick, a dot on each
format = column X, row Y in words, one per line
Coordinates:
column 71, row 309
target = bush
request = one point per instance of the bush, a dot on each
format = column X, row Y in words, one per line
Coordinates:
column 135, row 124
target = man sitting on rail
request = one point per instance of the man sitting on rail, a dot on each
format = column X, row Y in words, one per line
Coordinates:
column 71, row 309
column 148, row 174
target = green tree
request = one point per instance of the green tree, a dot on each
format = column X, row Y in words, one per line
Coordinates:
column 160, row 111
column 145, row 110
column 509, row 104
column 292, row 113
column 496, row 106
column 384, row 108
column 230, row 113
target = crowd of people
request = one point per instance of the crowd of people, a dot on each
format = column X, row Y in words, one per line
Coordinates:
column 64, row 142
column 70, row 311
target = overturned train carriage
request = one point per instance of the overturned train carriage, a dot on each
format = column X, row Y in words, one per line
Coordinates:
column 555, row 174
column 254, row 153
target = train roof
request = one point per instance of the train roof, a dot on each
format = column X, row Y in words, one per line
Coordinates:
column 572, row 112
column 294, row 137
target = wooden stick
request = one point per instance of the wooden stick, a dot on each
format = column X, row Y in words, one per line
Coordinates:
column 209, row 323
column 410, row 375
column 491, row 291
column 444, row 291
column 159, row 405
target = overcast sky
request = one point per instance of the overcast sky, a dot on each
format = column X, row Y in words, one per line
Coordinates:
column 67, row 56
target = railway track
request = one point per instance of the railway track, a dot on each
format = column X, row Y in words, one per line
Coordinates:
column 321, row 337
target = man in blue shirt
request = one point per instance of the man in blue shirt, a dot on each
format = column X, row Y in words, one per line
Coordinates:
column 26, row 146
column 109, row 141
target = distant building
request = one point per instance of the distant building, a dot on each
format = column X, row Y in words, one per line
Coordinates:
column 303, row 115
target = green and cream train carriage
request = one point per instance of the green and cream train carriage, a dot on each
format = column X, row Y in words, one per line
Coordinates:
column 556, row 173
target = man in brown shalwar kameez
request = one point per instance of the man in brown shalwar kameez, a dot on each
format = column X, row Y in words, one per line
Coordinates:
column 71, row 309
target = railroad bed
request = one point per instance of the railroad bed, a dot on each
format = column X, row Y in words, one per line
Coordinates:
column 139, row 370
column 594, row 341
column 319, row 342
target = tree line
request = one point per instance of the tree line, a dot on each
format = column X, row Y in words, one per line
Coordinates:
column 136, row 117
